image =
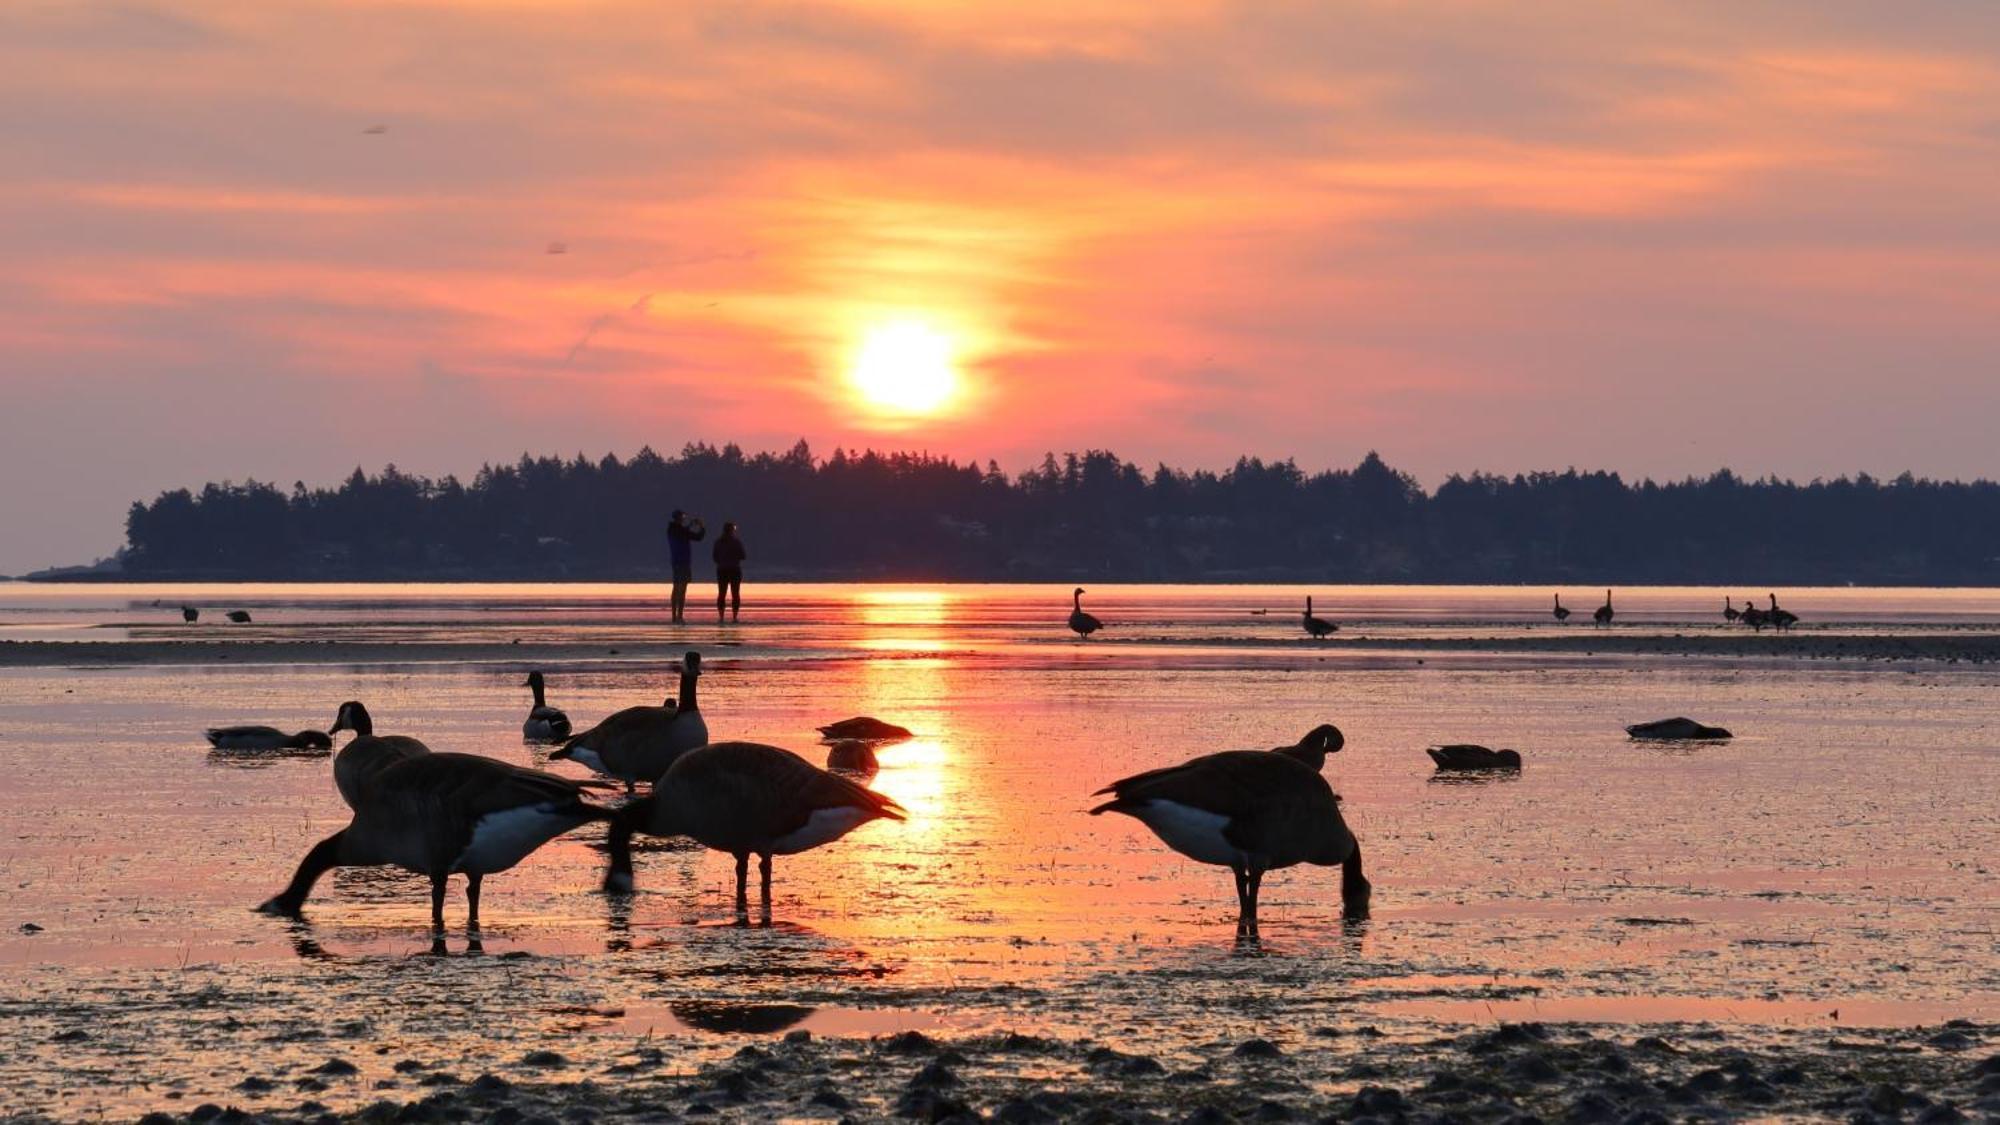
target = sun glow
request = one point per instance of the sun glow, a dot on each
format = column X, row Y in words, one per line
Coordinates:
column 905, row 367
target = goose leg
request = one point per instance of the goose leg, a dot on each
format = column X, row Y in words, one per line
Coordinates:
column 1242, row 899
column 742, row 882
column 472, row 903
column 437, row 903
column 1255, row 881
column 764, row 876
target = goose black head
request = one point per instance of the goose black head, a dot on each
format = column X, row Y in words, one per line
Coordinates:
column 1320, row 741
column 352, row 716
column 1077, row 591
column 691, row 664
column 1508, row 759
column 534, row 680
column 311, row 740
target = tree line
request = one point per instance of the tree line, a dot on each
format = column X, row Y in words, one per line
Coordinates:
column 873, row 515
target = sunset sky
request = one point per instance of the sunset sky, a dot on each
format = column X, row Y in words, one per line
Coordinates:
column 280, row 240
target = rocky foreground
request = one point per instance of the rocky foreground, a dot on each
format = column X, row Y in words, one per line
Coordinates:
column 1509, row 1073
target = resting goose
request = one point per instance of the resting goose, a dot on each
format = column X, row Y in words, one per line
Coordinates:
column 1781, row 619
column 640, row 743
column 1603, row 614
column 1081, row 623
column 1316, row 627
column 746, row 799
column 190, row 614
column 266, row 738
column 369, row 754
column 1562, row 613
column 866, row 729
column 240, row 616
column 440, row 814
column 1676, row 730
column 1320, row 741
column 853, row 755
column 545, row 723
column 1250, row 811
column 1465, row 756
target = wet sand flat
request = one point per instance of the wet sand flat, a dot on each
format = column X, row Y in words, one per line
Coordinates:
column 1800, row 922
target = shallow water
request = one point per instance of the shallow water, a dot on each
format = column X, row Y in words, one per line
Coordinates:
column 1831, row 866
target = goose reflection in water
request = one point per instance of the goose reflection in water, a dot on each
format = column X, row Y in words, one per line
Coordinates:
column 731, row 1017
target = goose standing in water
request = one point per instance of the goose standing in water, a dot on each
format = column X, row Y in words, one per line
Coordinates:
column 746, row 799
column 641, row 743
column 266, row 738
column 355, row 767
column 1312, row 750
column 1729, row 613
column 190, row 614
column 1316, row 627
column 1250, row 811
column 1781, row 619
column 445, row 814
column 1752, row 616
column 1603, row 614
column 545, row 723
column 1465, row 756
column 1562, row 614
column 1081, row 623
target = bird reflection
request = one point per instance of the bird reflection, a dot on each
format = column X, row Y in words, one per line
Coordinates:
column 730, row 1017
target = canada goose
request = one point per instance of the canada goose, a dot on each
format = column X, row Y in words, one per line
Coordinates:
column 266, row 738
column 1316, row 627
column 640, row 743
column 240, row 616
column 853, row 755
column 1465, row 756
column 1676, row 730
column 1603, row 614
column 1729, row 610
column 866, row 729
column 1250, row 811
column 1320, row 741
column 355, row 767
column 1562, row 614
column 545, row 723
column 746, row 799
column 436, row 814
column 1752, row 616
column 1081, row 623
column 190, row 614
column 1781, row 619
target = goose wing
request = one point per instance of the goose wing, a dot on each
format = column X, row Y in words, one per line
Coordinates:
column 244, row 737
column 361, row 762
column 745, row 795
column 465, row 812
column 1272, row 805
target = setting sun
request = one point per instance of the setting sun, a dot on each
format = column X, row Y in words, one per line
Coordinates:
column 904, row 367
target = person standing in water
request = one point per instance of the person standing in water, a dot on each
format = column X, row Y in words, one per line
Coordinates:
column 683, row 532
column 729, row 555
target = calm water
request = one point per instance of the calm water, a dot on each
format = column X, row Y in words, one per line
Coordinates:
column 1836, row 858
